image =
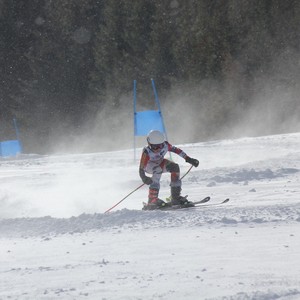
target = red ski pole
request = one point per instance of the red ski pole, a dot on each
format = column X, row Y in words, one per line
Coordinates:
column 125, row 198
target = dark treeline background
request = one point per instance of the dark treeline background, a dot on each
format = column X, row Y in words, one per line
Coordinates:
column 67, row 69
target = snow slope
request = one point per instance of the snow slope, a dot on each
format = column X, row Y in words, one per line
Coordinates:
column 56, row 241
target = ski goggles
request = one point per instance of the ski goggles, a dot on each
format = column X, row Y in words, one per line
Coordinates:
column 157, row 146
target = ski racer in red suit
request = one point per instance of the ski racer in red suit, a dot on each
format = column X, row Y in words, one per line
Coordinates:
column 153, row 162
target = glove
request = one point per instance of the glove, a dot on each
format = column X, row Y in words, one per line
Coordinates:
column 194, row 162
column 147, row 180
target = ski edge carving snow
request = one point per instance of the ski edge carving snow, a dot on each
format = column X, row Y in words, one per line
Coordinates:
column 196, row 204
column 173, row 207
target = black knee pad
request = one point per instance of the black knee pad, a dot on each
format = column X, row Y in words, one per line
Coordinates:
column 173, row 167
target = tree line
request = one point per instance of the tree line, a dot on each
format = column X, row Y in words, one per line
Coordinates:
column 66, row 65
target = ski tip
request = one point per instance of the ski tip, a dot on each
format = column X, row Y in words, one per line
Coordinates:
column 226, row 200
column 206, row 199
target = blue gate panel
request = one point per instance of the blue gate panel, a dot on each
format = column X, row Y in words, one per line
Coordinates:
column 10, row 148
column 146, row 121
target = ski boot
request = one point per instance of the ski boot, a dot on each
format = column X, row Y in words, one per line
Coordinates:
column 154, row 202
column 177, row 199
column 158, row 204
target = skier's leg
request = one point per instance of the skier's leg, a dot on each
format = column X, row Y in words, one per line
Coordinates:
column 156, row 171
column 174, row 169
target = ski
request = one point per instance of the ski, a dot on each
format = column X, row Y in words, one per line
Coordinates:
column 190, row 204
column 213, row 204
column 196, row 204
column 179, row 206
column 204, row 200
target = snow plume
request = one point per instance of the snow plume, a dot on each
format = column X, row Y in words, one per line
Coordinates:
column 193, row 111
column 111, row 128
column 237, row 105
column 274, row 104
column 61, row 185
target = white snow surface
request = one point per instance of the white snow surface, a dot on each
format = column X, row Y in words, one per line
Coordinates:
column 56, row 242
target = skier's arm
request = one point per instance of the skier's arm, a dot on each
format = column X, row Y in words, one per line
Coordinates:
column 176, row 150
column 181, row 153
column 143, row 162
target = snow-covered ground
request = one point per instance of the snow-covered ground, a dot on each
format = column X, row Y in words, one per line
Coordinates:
column 57, row 243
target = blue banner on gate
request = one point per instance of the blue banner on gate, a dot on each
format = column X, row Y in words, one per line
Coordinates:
column 148, row 120
column 10, row 148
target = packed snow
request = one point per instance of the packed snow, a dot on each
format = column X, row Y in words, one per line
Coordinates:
column 57, row 242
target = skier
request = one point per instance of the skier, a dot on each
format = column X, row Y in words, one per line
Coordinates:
column 153, row 162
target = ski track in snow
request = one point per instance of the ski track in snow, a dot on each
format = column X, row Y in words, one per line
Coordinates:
column 56, row 242
column 220, row 215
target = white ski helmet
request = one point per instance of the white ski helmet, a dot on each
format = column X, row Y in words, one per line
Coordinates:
column 155, row 137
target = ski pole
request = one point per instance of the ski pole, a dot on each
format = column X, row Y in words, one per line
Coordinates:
column 124, row 198
column 188, row 171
